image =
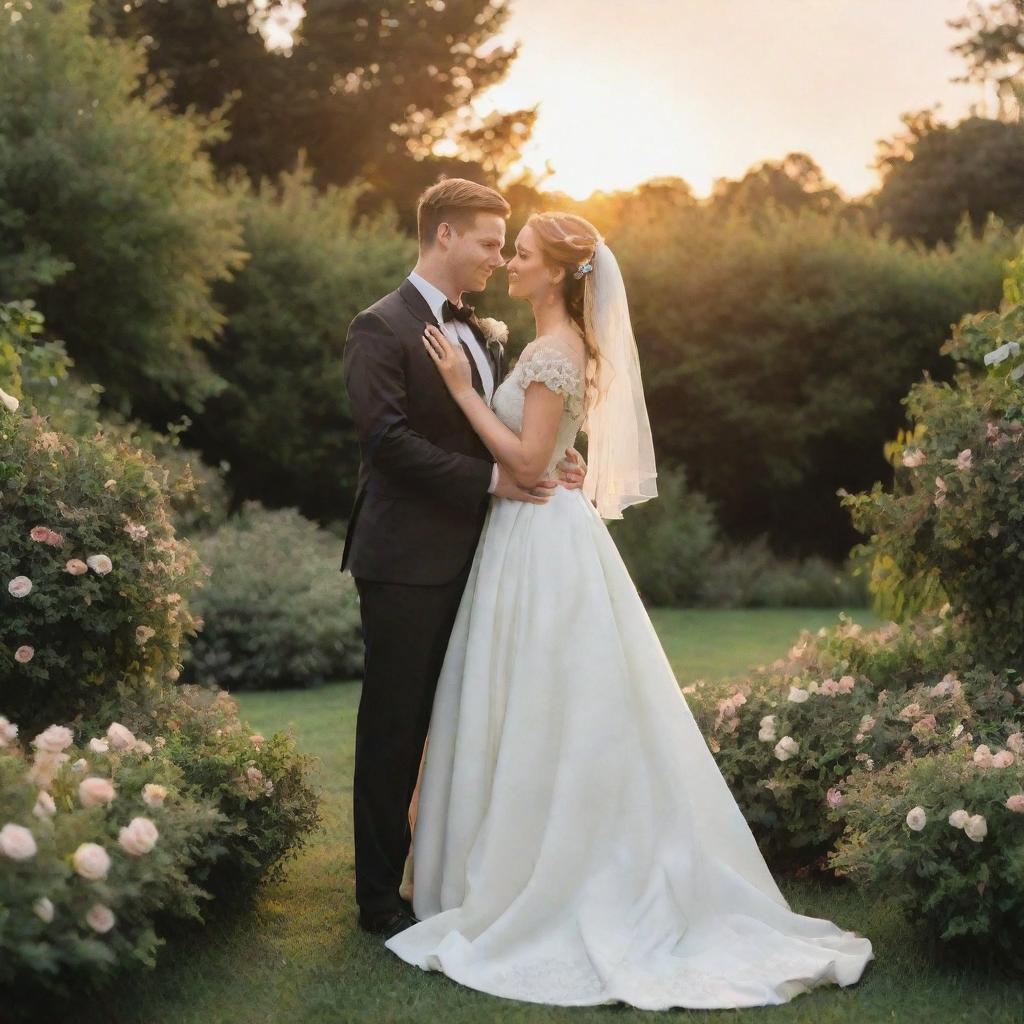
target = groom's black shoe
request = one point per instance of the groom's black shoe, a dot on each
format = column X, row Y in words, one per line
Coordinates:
column 388, row 923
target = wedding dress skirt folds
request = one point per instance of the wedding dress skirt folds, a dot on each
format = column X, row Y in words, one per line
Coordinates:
column 575, row 841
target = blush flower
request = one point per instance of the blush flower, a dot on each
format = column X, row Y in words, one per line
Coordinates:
column 95, row 791
column 91, row 861
column 17, row 842
column 139, row 836
column 100, row 918
column 916, row 818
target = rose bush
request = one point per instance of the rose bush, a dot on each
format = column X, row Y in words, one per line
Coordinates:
column 787, row 736
column 93, row 579
column 96, row 839
column 942, row 836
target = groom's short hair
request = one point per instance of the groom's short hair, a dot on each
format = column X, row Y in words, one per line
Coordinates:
column 457, row 201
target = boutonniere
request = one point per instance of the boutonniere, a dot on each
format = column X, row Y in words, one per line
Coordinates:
column 495, row 331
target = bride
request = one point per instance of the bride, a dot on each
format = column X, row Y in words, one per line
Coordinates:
column 575, row 842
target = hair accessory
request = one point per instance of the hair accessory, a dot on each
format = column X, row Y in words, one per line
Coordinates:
column 583, row 268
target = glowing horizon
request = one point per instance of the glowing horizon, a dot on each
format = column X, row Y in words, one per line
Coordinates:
column 610, row 85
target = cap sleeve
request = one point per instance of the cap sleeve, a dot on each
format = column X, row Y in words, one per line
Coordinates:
column 552, row 368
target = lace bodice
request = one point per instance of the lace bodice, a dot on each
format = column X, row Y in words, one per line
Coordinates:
column 559, row 372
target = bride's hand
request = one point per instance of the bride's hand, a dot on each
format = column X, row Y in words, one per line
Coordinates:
column 450, row 361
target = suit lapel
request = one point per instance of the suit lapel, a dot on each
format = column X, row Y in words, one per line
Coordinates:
column 420, row 309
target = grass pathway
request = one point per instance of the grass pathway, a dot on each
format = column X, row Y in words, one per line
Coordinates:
column 300, row 958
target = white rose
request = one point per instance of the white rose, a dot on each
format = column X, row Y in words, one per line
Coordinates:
column 100, row 564
column 9, row 401
column 797, row 695
column 1003, row 759
column 1015, row 742
column 100, row 918
column 91, row 861
column 959, row 818
column 45, row 807
column 916, row 818
column 98, row 746
column 786, row 748
column 154, row 794
column 17, row 842
column 143, row 747
column 43, row 909
column 53, row 739
column 119, row 737
column 976, row 827
column 8, row 732
column 139, row 836
column 80, row 765
column 20, row 586
column 93, row 791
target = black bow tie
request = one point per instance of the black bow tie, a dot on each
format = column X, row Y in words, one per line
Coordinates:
column 449, row 312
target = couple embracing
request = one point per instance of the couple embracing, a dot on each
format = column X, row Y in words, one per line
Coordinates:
column 575, row 842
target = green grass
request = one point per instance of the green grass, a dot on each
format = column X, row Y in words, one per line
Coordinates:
column 299, row 957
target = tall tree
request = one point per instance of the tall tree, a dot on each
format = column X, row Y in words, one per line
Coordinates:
column 934, row 173
column 366, row 88
column 994, row 52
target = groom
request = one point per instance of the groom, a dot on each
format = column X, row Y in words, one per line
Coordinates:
column 421, row 498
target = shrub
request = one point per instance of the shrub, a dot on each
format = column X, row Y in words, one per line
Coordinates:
column 953, row 525
column 93, row 577
column 787, row 735
column 743, row 575
column 37, row 370
column 51, row 931
column 276, row 612
column 258, row 781
column 666, row 543
column 775, row 354
column 942, row 837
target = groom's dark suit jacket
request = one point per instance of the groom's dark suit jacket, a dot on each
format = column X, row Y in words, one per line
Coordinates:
column 421, row 495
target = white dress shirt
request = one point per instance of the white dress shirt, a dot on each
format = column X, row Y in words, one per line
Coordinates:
column 456, row 329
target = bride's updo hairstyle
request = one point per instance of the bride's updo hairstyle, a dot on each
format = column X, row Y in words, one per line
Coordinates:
column 568, row 241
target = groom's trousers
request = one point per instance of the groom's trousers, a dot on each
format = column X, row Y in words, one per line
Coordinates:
column 405, row 632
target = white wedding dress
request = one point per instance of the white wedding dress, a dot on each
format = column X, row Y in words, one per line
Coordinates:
column 575, row 841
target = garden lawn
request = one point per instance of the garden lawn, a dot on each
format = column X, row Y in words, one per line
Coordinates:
column 300, row 957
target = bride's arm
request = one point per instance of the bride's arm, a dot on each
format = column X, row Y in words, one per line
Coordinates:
column 525, row 455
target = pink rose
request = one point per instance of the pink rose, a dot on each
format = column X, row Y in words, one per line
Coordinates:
column 94, row 791
column 17, row 842
column 24, row 653
column 39, row 533
column 91, row 861
column 20, row 586
column 100, row 918
column 139, row 836
column 1015, row 803
column 75, row 566
column 53, row 739
column 835, row 797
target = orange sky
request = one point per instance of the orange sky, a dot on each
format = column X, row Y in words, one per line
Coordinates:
column 707, row 88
